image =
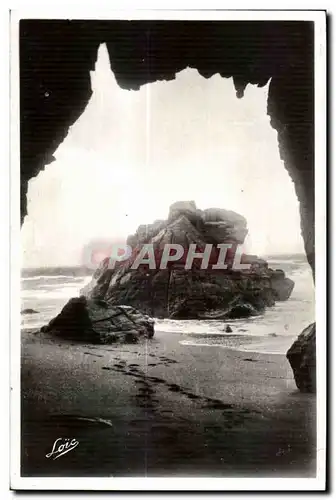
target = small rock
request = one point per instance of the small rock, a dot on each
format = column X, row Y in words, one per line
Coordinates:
column 228, row 329
column 302, row 358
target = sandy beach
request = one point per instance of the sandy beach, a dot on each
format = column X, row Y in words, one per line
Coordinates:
column 159, row 408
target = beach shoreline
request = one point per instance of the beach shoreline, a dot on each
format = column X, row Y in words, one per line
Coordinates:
column 160, row 408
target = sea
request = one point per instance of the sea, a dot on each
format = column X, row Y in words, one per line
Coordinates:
column 47, row 290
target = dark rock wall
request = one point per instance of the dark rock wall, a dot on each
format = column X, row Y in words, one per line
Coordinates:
column 56, row 57
column 302, row 358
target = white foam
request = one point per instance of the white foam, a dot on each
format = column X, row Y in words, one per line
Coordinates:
column 51, row 277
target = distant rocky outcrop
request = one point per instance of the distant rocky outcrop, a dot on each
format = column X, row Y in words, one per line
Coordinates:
column 29, row 311
column 302, row 358
column 98, row 322
column 196, row 293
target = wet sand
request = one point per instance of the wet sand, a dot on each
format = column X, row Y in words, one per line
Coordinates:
column 160, row 408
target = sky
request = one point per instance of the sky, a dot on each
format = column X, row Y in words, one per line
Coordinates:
column 133, row 153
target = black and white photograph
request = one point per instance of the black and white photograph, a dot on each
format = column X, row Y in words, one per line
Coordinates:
column 168, row 250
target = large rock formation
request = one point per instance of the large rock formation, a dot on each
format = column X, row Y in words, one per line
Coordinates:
column 302, row 358
column 99, row 322
column 176, row 292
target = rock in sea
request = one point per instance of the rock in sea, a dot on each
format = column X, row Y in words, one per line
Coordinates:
column 281, row 285
column 302, row 358
column 29, row 311
column 98, row 322
column 179, row 293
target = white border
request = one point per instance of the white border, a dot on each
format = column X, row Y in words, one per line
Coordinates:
column 181, row 484
column 83, row 13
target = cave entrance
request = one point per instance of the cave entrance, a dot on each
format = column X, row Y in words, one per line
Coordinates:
column 133, row 153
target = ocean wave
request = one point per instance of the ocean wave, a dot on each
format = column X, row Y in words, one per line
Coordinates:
column 282, row 261
column 198, row 344
column 205, row 326
column 33, row 324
